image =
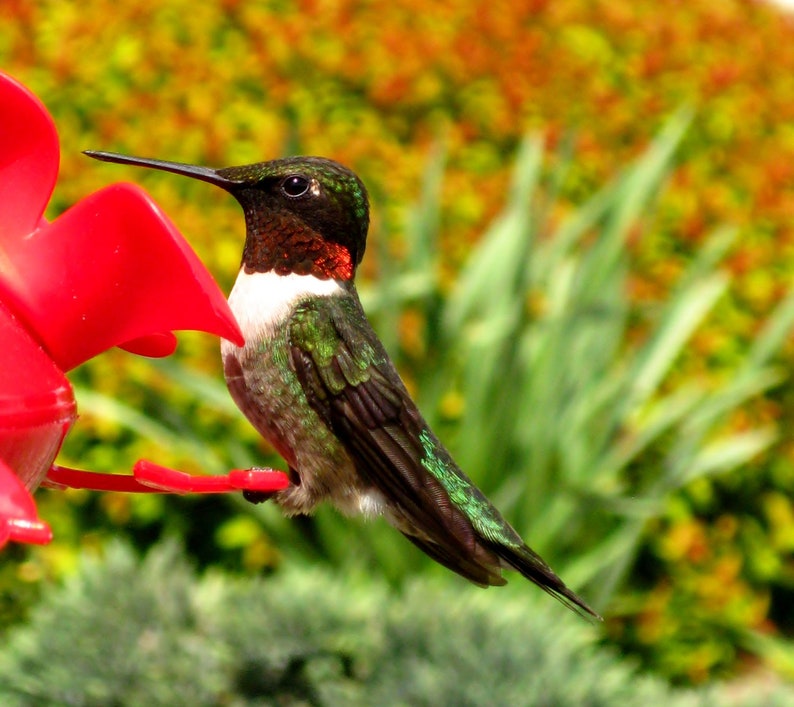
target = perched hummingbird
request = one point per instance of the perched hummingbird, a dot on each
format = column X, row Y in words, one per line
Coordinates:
column 314, row 379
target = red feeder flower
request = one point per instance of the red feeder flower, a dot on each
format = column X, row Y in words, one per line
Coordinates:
column 111, row 271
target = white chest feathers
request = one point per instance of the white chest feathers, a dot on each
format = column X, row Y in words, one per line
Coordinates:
column 262, row 300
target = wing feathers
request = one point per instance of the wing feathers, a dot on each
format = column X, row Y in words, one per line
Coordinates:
column 349, row 380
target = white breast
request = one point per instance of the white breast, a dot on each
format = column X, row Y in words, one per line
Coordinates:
column 262, row 300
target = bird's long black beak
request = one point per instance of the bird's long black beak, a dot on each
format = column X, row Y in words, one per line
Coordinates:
column 205, row 174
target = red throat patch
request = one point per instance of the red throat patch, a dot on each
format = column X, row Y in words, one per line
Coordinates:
column 334, row 263
column 275, row 244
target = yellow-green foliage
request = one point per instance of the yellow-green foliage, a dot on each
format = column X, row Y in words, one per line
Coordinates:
column 376, row 85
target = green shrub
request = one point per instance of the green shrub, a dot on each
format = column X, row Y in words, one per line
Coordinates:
column 126, row 632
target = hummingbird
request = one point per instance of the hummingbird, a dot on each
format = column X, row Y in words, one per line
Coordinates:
column 316, row 382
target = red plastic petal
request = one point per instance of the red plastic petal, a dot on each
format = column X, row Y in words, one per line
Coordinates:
column 111, row 270
column 18, row 518
column 29, row 157
column 154, row 345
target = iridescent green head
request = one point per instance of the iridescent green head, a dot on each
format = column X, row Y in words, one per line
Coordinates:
column 304, row 215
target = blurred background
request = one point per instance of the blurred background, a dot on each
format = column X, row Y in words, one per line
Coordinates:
column 581, row 260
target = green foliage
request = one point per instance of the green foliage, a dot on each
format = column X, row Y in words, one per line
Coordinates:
column 224, row 82
column 126, row 632
column 572, row 410
column 97, row 638
column 533, row 372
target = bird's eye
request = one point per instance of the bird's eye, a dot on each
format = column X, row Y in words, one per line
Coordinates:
column 295, row 186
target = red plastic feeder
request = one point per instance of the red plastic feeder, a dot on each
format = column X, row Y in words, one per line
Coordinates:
column 111, row 271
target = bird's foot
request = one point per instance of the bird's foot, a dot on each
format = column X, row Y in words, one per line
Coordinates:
column 260, row 495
